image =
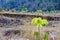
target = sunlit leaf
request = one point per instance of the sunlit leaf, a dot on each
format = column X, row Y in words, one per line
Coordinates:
column 34, row 20
column 45, row 21
column 39, row 21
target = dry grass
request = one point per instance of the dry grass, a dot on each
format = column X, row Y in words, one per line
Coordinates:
column 28, row 30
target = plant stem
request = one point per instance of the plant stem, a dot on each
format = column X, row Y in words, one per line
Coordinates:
column 40, row 35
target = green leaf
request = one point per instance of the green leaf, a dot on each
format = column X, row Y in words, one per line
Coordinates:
column 45, row 21
column 36, row 34
column 39, row 21
column 34, row 20
column 45, row 36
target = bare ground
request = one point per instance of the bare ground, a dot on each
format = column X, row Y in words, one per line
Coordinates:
column 25, row 25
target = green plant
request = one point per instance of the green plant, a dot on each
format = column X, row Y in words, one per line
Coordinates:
column 45, row 36
column 36, row 34
column 39, row 22
column 39, row 11
column 1, row 9
column 24, row 10
column 53, row 11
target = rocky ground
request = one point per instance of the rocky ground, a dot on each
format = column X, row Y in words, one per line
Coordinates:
column 24, row 23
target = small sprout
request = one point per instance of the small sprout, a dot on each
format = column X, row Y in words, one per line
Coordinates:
column 40, row 22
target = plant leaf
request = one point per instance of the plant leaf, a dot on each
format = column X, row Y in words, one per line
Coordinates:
column 36, row 34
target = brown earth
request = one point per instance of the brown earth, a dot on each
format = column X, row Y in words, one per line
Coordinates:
column 24, row 23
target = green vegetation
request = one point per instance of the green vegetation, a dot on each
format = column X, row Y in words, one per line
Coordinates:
column 39, row 11
column 24, row 10
column 45, row 36
column 1, row 9
column 53, row 11
column 36, row 34
column 7, row 10
column 39, row 22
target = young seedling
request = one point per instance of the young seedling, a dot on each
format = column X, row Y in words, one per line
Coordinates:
column 39, row 22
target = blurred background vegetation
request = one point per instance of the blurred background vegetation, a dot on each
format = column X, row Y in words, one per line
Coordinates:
column 30, row 5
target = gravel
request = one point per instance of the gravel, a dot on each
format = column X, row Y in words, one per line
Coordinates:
column 10, row 22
